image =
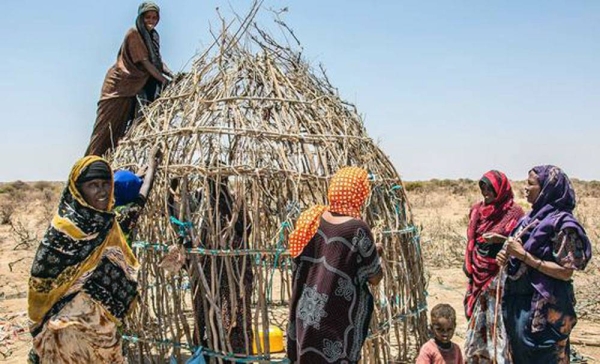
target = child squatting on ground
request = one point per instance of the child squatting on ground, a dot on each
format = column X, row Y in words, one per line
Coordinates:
column 440, row 350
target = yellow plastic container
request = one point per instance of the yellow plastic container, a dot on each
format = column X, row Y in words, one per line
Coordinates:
column 275, row 340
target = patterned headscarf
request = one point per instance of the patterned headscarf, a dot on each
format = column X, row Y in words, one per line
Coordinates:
column 500, row 216
column 151, row 38
column 556, row 190
column 552, row 212
column 347, row 193
column 83, row 250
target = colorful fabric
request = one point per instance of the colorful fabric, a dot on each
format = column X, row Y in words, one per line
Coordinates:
column 500, row 217
column 331, row 305
column 347, row 193
column 128, row 215
column 552, row 215
column 430, row 353
column 539, row 311
column 480, row 345
column 81, row 333
column 127, row 187
column 83, row 252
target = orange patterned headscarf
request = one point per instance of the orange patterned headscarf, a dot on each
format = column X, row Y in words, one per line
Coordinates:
column 347, row 193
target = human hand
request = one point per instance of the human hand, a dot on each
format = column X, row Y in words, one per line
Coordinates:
column 142, row 172
column 514, row 247
column 502, row 257
column 178, row 76
column 156, row 152
column 154, row 157
column 493, row 238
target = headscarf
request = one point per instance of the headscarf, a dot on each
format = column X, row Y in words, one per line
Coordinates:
column 347, row 193
column 83, row 250
column 499, row 216
column 96, row 170
column 551, row 213
column 151, row 38
column 127, row 187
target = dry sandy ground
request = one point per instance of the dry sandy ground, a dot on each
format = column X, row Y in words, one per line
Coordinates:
column 441, row 212
column 441, row 209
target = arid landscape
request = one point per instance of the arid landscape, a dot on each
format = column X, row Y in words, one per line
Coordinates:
column 440, row 209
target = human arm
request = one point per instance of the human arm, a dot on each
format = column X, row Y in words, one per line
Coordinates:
column 167, row 71
column 155, row 155
column 376, row 259
column 514, row 248
column 375, row 279
column 494, row 238
column 153, row 71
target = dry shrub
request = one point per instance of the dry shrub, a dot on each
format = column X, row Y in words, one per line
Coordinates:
column 443, row 242
column 43, row 185
column 7, row 209
column 22, row 234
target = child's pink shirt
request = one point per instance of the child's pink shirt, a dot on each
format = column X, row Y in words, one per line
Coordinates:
column 431, row 354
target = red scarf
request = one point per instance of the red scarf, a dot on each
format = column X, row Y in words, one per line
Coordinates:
column 499, row 216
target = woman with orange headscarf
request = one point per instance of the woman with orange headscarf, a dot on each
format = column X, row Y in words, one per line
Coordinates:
column 334, row 258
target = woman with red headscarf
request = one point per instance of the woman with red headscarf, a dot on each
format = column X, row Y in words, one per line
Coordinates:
column 334, row 258
column 490, row 222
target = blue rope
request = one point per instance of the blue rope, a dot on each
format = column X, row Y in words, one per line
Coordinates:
column 227, row 356
column 183, row 226
column 399, row 317
column 278, row 250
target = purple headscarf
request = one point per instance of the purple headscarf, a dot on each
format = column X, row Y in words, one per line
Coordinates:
column 551, row 213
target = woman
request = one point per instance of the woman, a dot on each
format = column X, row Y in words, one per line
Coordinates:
column 83, row 277
column 139, row 67
column 547, row 246
column 490, row 222
column 233, row 274
column 335, row 257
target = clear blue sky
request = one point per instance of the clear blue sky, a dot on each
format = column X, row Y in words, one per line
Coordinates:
column 450, row 89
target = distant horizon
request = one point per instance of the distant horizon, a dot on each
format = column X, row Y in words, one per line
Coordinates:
column 403, row 180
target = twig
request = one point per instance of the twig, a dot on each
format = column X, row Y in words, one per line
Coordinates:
column 10, row 265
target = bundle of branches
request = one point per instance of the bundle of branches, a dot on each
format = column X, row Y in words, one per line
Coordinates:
column 250, row 137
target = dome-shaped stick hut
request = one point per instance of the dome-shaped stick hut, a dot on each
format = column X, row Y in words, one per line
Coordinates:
column 250, row 138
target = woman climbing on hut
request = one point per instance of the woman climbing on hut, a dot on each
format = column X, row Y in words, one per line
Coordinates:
column 547, row 246
column 83, row 276
column 334, row 258
column 139, row 69
column 490, row 222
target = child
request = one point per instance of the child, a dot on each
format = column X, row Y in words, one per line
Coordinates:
column 440, row 350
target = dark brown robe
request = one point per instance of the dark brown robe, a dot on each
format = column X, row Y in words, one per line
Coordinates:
column 123, row 81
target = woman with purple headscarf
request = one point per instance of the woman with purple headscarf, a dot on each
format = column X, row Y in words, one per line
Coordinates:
column 547, row 246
